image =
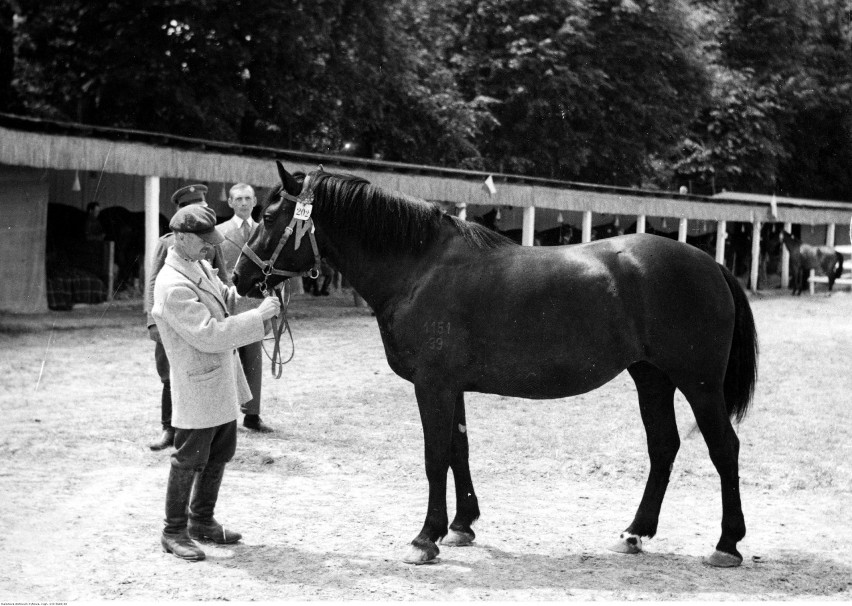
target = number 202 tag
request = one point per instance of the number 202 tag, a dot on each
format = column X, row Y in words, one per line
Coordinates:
column 303, row 211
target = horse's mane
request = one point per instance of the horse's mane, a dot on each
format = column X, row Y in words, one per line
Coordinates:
column 386, row 221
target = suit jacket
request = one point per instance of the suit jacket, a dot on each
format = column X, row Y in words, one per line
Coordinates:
column 193, row 310
column 233, row 244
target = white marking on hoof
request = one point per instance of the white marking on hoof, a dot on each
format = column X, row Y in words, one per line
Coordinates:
column 627, row 543
column 720, row 559
column 455, row 538
column 418, row 556
column 462, row 428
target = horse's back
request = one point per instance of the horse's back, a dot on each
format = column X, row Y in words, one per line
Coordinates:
column 565, row 319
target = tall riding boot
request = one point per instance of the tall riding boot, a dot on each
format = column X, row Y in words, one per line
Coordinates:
column 175, row 538
column 168, row 438
column 202, row 525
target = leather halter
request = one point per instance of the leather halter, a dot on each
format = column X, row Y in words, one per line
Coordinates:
column 298, row 227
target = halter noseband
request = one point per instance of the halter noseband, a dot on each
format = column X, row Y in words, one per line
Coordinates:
column 300, row 224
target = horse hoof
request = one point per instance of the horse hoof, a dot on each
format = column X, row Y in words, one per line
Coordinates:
column 720, row 559
column 455, row 538
column 627, row 543
column 424, row 552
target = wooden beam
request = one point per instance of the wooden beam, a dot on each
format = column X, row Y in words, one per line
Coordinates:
column 721, row 237
column 152, row 225
column 528, row 234
column 785, row 259
column 755, row 254
column 587, row 226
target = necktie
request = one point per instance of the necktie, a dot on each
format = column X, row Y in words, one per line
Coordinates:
column 246, row 231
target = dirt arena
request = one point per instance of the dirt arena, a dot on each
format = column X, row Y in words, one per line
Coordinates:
column 328, row 503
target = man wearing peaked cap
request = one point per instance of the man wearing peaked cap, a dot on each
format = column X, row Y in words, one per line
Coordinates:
column 200, row 329
column 191, row 194
column 182, row 198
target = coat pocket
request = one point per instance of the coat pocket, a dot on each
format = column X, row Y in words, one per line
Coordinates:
column 205, row 375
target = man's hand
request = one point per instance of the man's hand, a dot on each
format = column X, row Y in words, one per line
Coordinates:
column 154, row 333
column 269, row 308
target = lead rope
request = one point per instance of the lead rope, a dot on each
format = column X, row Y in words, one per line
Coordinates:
column 283, row 324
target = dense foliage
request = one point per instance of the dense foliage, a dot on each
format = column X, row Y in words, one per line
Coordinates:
column 750, row 95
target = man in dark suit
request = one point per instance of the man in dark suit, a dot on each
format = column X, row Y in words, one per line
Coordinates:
column 236, row 232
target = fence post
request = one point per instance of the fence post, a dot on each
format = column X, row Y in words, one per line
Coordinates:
column 785, row 259
column 528, row 232
column 152, row 225
column 108, row 260
column 755, row 254
column 587, row 226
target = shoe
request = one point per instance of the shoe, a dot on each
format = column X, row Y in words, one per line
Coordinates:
column 255, row 423
column 212, row 531
column 182, row 546
column 166, row 440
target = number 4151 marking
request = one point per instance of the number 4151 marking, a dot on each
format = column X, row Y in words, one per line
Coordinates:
column 436, row 331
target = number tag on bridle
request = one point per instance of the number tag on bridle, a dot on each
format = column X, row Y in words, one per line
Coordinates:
column 303, row 211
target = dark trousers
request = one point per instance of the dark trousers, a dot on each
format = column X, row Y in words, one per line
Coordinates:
column 196, row 448
column 251, row 358
column 163, row 368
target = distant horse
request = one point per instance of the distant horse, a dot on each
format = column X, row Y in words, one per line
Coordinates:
column 127, row 230
column 489, row 220
column 555, row 236
column 558, row 236
column 805, row 257
column 535, row 322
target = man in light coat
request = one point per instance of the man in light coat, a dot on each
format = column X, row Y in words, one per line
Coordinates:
column 236, row 232
column 191, row 194
column 200, row 332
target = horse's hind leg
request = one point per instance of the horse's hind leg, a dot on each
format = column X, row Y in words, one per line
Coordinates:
column 656, row 404
column 467, row 505
column 724, row 447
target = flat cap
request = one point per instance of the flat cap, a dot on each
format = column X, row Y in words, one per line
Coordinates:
column 198, row 220
column 191, row 194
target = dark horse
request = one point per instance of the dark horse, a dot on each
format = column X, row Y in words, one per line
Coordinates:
column 805, row 257
column 461, row 308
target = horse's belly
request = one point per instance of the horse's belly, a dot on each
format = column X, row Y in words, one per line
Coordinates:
column 546, row 372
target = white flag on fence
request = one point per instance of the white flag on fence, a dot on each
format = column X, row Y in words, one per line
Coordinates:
column 773, row 206
column 489, row 186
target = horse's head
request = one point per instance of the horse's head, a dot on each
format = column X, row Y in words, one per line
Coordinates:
column 283, row 244
column 790, row 241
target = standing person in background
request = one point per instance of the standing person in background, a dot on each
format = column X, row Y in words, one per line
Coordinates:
column 236, row 232
column 93, row 227
column 185, row 196
column 200, row 329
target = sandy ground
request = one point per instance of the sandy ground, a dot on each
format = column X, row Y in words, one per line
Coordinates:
column 328, row 503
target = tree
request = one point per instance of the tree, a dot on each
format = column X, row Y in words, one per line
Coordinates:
column 579, row 89
column 781, row 114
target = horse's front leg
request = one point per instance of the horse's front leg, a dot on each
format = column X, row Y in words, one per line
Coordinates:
column 467, row 505
column 436, row 406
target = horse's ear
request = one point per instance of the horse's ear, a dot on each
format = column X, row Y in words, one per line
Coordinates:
column 288, row 181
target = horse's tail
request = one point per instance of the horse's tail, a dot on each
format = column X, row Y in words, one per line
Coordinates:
column 838, row 270
column 741, row 374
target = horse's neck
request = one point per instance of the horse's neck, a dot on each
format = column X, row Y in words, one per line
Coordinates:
column 377, row 277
